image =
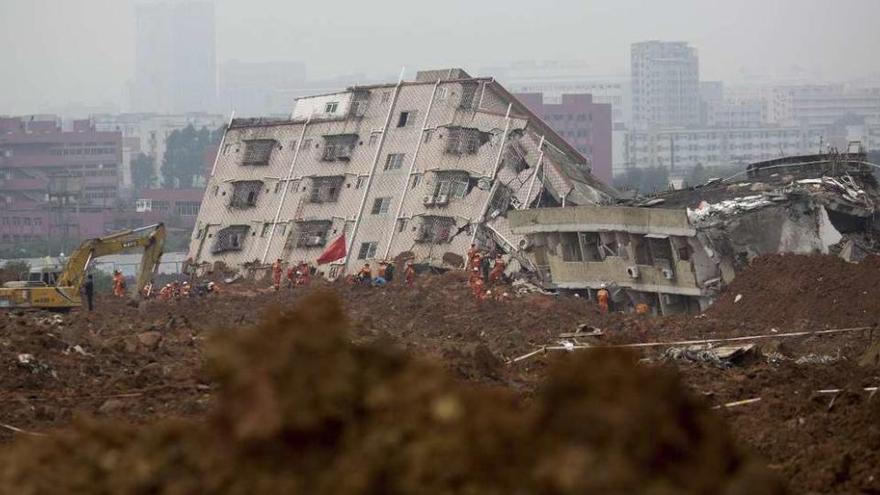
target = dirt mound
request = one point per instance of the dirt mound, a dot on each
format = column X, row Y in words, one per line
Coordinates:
column 302, row 410
column 792, row 291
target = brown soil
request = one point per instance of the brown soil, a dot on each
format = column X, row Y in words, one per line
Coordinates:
column 300, row 409
column 130, row 378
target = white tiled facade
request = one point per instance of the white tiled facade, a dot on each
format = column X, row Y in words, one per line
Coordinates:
column 418, row 167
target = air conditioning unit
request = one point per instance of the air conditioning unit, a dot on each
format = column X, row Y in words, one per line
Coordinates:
column 428, row 201
column 632, row 271
column 668, row 273
column 442, row 199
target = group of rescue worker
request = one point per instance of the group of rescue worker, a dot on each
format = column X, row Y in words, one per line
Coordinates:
column 485, row 271
column 298, row 274
column 603, row 300
column 384, row 274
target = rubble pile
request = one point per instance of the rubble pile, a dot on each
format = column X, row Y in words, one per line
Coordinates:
column 108, row 373
column 302, row 410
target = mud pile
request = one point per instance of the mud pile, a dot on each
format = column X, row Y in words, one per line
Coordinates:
column 302, row 410
column 792, row 291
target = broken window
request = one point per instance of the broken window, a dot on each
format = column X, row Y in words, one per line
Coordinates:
column 312, row 233
column 515, row 157
column 660, row 247
column 381, row 205
column 367, row 250
column 571, row 248
column 326, row 189
column 331, row 107
column 500, row 202
column 339, row 147
column 230, row 239
column 245, row 193
column 435, row 230
column 406, row 118
column 468, row 95
column 451, row 185
column 590, row 246
column 641, row 251
column 460, row 140
column 394, row 161
column 257, row 151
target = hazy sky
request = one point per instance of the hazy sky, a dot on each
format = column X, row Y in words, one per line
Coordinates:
column 60, row 52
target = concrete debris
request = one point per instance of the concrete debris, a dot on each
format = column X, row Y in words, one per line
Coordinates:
column 818, row 359
column 30, row 363
column 676, row 251
column 738, row 298
column 522, row 286
column 721, row 357
column 150, row 340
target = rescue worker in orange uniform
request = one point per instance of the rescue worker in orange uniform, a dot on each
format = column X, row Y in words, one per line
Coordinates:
column 642, row 309
column 118, row 284
column 477, row 285
column 291, row 276
column 471, row 254
column 497, row 270
column 305, row 273
column 365, row 276
column 276, row 273
column 409, row 274
column 602, row 298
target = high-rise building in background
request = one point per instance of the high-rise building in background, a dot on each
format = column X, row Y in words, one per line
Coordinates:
column 175, row 58
column 665, row 85
column 586, row 125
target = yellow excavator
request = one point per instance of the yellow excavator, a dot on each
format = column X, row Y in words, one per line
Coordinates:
column 57, row 288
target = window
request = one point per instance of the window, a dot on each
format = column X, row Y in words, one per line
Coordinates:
column 406, row 118
column 244, row 193
column 257, row 151
column 515, row 158
column 394, row 161
column 401, row 224
column 216, row 190
column 374, row 137
column 451, row 185
column 571, row 248
column 331, row 107
column 380, row 205
column 461, row 140
column 416, row 180
column 386, row 96
column 359, row 182
column 339, row 147
column 468, row 95
column 428, row 135
column 266, row 227
column 230, row 239
column 435, row 230
column 367, row 250
column 278, row 186
column 326, row 189
column 312, row 233
column 161, row 205
column 187, row 208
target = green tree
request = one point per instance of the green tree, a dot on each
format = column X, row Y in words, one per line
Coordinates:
column 184, row 155
column 143, row 172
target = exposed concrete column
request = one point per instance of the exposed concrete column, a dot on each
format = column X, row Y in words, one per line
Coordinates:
column 302, row 135
column 412, row 167
column 222, row 142
column 537, row 171
column 494, row 187
column 360, row 214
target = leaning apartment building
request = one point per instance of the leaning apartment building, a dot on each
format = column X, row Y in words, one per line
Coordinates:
column 416, row 169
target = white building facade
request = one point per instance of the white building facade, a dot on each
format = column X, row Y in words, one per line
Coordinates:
column 416, row 169
column 665, row 85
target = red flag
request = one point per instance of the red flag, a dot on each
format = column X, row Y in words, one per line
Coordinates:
column 334, row 251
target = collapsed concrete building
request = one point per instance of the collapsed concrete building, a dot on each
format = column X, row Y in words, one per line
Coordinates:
column 676, row 250
column 419, row 168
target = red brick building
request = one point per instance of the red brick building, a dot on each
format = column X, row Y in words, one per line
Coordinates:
column 584, row 124
column 54, row 182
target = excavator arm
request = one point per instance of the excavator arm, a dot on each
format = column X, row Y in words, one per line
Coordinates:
column 151, row 239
